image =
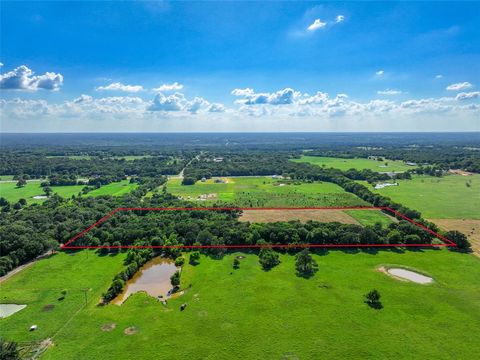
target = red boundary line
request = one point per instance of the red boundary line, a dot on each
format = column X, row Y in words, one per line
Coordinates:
column 67, row 245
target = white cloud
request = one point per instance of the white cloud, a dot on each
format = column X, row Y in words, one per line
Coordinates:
column 339, row 19
column 317, row 24
column 23, row 78
column 439, row 76
column 83, row 99
column 389, row 92
column 179, row 103
column 216, row 108
column 380, row 73
column 280, row 97
column 175, row 102
column 242, row 92
column 467, row 96
column 1, row 64
column 284, row 109
column 196, row 105
column 117, row 86
column 169, row 87
column 459, row 86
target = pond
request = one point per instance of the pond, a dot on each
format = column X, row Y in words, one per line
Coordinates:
column 9, row 309
column 410, row 275
column 153, row 278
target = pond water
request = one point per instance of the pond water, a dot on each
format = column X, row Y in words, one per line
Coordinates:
column 9, row 309
column 153, row 278
column 410, row 275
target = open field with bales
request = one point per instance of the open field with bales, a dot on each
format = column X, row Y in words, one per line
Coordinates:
column 447, row 197
column 262, row 216
column 362, row 217
column 263, row 192
column 357, row 163
column 250, row 313
column 471, row 228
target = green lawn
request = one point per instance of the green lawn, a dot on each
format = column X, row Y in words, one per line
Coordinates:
column 357, row 163
column 10, row 191
column 72, row 157
column 114, row 189
column 369, row 217
column 42, row 284
column 252, row 314
column 265, row 191
column 447, row 197
column 6, row 177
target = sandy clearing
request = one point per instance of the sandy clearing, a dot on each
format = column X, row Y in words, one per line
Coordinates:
column 410, row 275
column 471, row 228
column 264, row 216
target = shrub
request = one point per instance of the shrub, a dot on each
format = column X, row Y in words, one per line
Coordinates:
column 175, row 279
column 372, row 298
column 194, row 258
column 268, row 258
column 179, row 261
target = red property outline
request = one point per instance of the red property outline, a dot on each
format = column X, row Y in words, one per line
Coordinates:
column 67, row 245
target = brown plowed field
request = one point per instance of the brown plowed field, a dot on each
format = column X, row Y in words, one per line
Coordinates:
column 471, row 228
column 263, row 216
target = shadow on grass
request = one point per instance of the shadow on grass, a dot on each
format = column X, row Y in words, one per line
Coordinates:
column 377, row 305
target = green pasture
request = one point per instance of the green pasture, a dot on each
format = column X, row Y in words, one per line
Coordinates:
column 356, row 163
column 6, row 178
column 264, row 191
column 115, row 189
column 370, row 217
column 12, row 193
column 447, row 197
column 252, row 314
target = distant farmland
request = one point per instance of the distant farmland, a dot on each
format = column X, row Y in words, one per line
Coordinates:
column 264, row 192
column 447, row 197
column 356, row 163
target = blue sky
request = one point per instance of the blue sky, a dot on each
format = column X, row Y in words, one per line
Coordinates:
column 239, row 66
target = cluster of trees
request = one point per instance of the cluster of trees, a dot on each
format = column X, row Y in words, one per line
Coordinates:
column 237, row 164
column 32, row 165
column 29, row 231
column 60, row 180
column 38, row 228
column 135, row 259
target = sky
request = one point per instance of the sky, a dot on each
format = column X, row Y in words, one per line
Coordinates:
column 137, row 66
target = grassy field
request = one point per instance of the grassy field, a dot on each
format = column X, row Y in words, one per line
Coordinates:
column 131, row 157
column 357, row 163
column 369, row 217
column 447, row 197
column 10, row 191
column 252, row 314
column 114, row 189
column 72, row 157
column 40, row 286
column 265, row 191
column 6, row 177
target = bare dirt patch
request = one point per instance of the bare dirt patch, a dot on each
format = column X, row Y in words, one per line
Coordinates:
column 471, row 228
column 48, row 307
column 460, row 172
column 109, row 327
column 130, row 330
column 264, row 216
